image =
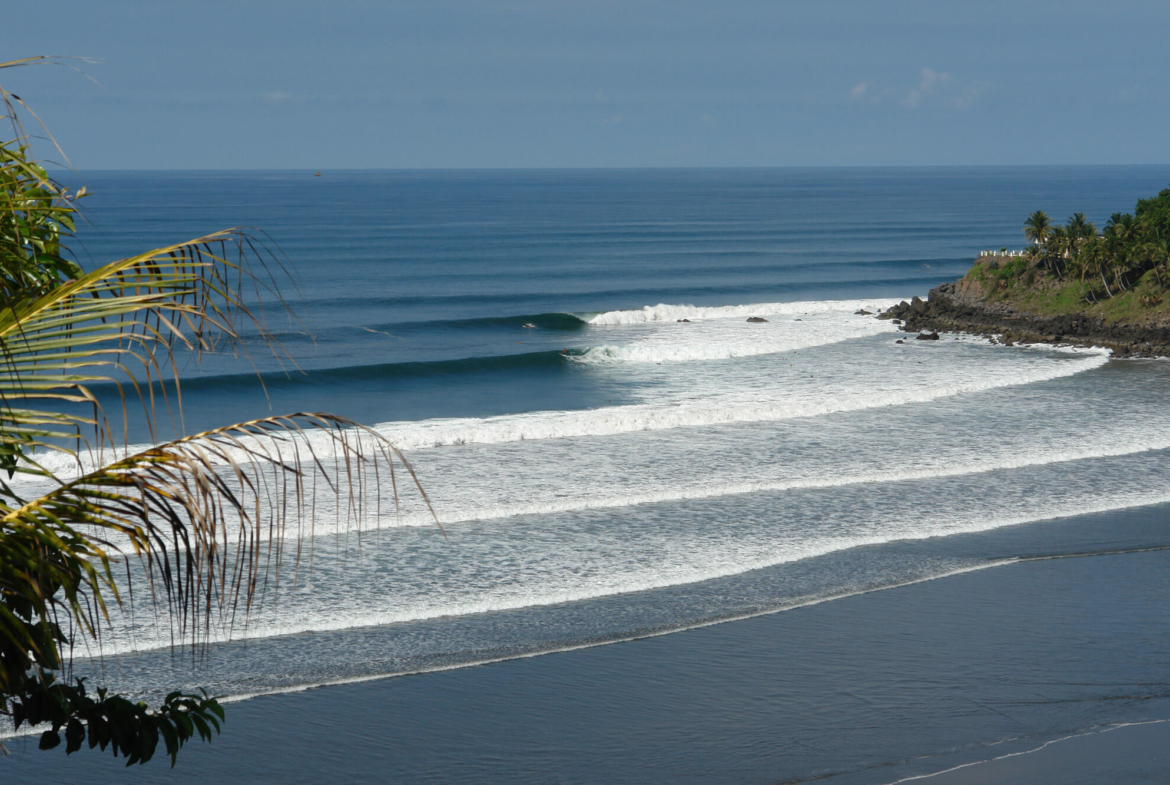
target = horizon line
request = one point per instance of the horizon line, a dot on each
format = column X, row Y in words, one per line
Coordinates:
column 55, row 166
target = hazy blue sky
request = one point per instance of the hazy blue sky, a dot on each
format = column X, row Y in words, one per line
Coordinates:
column 353, row 83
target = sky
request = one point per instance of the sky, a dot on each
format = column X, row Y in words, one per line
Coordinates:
column 254, row 84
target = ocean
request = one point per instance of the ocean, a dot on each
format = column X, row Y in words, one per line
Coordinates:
column 612, row 449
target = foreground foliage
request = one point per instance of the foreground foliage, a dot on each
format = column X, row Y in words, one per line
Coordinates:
column 203, row 515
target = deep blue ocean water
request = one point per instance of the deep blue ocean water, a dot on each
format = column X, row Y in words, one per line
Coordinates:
column 407, row 282
column 613, row 450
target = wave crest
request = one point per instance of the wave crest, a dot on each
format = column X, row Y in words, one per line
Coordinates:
column 672, row 313
column 613, row 420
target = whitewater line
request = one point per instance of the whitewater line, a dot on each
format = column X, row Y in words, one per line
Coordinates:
column 1094, row 731
column 711, row 341
column 808, row 603
column 615, row 420
column 738, row 489
column 7, row 733
column 631, row 418
column 624, row 584
column 784, row 608
column 672, row 313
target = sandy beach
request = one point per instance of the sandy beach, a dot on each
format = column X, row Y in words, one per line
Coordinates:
column 1122, row 753
column 1022, row 670
column 632, row 393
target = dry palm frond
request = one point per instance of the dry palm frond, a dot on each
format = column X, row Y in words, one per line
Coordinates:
column 208, row 516
column 206, row 513
column 121, row 322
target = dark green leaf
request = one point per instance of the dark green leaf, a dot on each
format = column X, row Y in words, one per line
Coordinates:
column 74, row 736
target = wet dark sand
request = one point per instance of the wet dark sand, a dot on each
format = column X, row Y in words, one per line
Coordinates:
column 1125, row 753
column 867, row 689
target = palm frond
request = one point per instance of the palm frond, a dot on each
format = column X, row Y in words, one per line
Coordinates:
column 124, row 321
column 206, row 514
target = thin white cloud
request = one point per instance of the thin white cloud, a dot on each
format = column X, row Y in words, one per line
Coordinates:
column 930, row 82
column 934, row 88
column 969, row 95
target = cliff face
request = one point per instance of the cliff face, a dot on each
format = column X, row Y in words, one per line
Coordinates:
column 962, row 307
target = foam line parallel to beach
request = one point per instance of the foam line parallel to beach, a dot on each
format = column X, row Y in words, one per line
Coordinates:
column 614, row 420
column 753, row 697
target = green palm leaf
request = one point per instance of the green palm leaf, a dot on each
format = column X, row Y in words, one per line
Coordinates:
column 123, row 321
column 197, row 511
column 207, row 516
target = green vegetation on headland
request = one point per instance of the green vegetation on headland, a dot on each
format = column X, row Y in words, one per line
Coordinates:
column 1120, row 273
column 1073, row 285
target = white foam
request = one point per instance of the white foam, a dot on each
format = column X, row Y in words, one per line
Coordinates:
column 703, row 412
column 588, row 497
column 608, row 421
column 694, row 491
column 653, row 334
column 7, row 732
column 672, row 313
column 726, row 339
column 649, row 576
column 552, row 556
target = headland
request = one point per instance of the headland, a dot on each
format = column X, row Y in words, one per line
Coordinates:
column 1073, row 286
column 955, row 307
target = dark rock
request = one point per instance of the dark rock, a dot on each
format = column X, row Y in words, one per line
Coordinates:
column 926, row 337
column 899, row 341
column 688, row 321
column 758, row 319
column 863, row 312
column 963, row 307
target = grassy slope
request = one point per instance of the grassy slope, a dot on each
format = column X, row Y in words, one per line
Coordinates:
column 1033, row 291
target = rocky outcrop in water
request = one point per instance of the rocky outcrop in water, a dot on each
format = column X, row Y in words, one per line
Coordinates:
column 961, row 307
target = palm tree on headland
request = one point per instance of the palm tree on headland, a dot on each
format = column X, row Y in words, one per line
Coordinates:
column 202, row 515
column 1056, row 251
column 1079, row 229
column 1125, row 226
column 1156, row 251
column 1093, row 258
column 1038, row 228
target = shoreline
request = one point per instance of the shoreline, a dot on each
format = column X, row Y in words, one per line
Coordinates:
column 948, row 308
column 1123, row 752
column 963, row 677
